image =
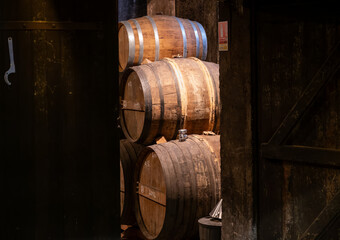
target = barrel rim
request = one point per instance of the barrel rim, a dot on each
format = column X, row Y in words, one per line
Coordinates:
column 204, row 41
column 131, row 48
column 139, row 218
column 147, row 101
column 140, row 41
column 125, row 216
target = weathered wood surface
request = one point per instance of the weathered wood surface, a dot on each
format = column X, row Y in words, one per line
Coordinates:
column 128, row 9
column 329, row 215
column 292, row 47
column 237, row 161
column 326, row 72
column 156, row 7
column 157, row 37
column 179, row 182
column 128, row 157
column 162, row 97
column 205, row 12
column 303, row 154
column 57, row 124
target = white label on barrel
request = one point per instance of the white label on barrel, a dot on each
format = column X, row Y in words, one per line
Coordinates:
column 147, row 164
column 152, row 193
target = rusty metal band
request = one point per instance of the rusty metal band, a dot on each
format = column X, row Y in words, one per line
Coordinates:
column 184, row 37
column 131, row 38
column 141, row 41
column 156, row 36
column 205, row 41
column 197, row 39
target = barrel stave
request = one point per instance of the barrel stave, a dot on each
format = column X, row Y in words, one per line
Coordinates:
column 171, row 42
column 128, row 158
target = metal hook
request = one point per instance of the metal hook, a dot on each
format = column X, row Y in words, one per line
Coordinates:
column 11, row 61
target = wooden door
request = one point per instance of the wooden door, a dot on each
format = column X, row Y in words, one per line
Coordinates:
column 59, row 150
column 298, row 62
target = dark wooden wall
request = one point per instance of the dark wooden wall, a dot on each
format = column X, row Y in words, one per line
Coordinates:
column 59, row 144
column 128, row 9
column 161, row 7
column 296, row 47
column 205, row 12
column 237, row 124
column 280, row 120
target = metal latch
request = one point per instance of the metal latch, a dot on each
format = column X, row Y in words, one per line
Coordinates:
column 11, row 61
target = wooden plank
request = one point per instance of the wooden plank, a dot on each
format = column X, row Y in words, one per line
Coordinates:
column 327, row 216
column 237, row 160
column 283, row 72
column 303, row 154
column 152, row 194
column 133, row 106
column 323, row 75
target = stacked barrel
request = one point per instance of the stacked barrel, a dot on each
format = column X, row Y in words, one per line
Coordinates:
column 165, row 87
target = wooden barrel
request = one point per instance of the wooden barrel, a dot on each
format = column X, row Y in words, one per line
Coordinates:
column 128, row 157
column 162, row 97
column 157, row 37
column 178, row 183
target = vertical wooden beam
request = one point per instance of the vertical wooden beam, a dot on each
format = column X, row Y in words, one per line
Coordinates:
column 236, row 126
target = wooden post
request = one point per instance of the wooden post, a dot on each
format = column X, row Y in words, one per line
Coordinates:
column 237, row 172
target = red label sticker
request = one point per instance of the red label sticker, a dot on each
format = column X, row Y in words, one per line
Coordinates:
column 223, row 36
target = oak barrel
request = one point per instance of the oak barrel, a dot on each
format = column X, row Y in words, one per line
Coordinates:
column 178, row 183
column 157, row 37
column 162, row 97
column 128, row 157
